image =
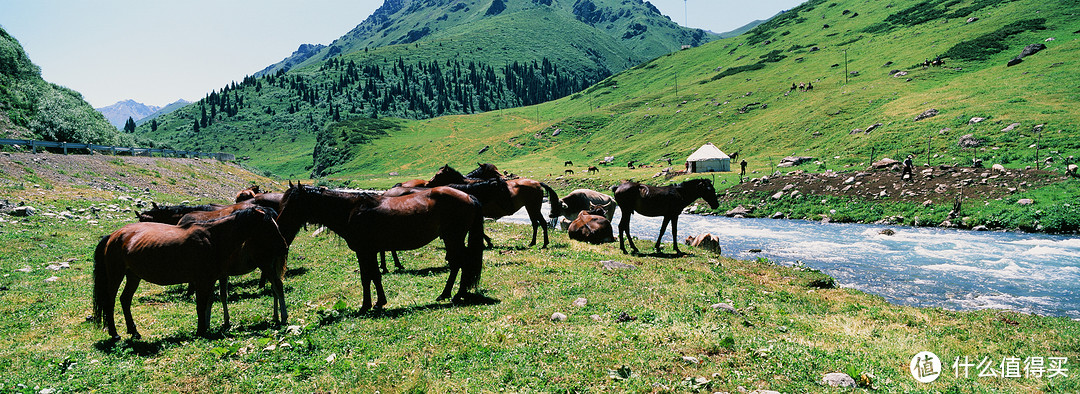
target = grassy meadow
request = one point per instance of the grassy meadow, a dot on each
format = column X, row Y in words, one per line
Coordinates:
column 649, row 328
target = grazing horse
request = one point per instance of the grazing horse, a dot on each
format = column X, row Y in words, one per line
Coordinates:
column 524, row 192
column 492, row 191
column 581, row 200
column 591, row 226
column 171, row 214
column 666, row 201
column 568, row 163
column 592, row 169
column 197, row 253
column 568, row 172
column 371, row 223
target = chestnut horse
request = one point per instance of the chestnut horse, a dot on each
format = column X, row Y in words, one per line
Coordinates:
column 371, row 223
column 197, row 253
column 581, row 200
column 666, row 201
column 524, row 192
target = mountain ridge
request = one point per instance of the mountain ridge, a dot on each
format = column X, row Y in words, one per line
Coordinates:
column 119, row 112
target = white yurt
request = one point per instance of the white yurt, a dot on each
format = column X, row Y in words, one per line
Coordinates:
column 708, row 158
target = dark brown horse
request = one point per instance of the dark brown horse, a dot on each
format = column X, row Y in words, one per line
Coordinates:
column 666, row 201
column 445, row 175
column 171, row 214
column 492, row 191
column 371, row 223
column 591, row 226
column 202, row 213
column 524, row 192
column 197, row 253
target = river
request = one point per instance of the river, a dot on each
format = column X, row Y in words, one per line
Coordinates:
column 933, row 267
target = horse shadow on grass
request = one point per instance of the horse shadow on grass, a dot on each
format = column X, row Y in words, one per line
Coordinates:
column 664, row 255
column 333, row 317
column 150, row 348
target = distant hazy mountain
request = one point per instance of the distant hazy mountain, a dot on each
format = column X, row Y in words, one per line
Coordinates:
column 30, row 107
column 162, row 111
column 118, row 113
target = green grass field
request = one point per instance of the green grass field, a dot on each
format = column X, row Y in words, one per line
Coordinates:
column 652, row 328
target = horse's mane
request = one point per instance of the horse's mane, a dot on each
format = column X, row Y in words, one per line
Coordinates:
column 484, row 171
column 181, row 209
column 470, row 187
column 265, row 212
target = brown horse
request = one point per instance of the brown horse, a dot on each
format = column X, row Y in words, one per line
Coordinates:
column 197, row 253
column 254, row 196
column 524, row 192
column 445, row 175
column 591, row 226
column 666, row 201
column 492, row 191
column 371, row 223
column 203, row 213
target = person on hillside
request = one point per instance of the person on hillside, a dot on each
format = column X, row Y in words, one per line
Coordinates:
column 908, row 168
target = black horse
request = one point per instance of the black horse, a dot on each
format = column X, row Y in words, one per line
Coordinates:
column 666, row 201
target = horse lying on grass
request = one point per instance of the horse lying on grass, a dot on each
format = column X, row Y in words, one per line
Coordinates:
column 198, row 253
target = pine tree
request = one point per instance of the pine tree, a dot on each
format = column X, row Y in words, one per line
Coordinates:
column 129, row 126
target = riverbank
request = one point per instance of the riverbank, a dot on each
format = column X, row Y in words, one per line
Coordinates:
column 941, row 196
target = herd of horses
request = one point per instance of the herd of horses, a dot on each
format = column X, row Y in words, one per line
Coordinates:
column 206, row 244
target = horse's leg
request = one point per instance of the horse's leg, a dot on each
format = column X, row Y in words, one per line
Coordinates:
column 114, row 277
column 397, row 263
column 204, row 300
column 675, row 234
column 663, row 227
column 487, row 240
column 624, row 225
column 365, row 278
column 455, row 266
column 537, row 219
column 223, row 290
column 382, row 262
column 125, row 303
column 278, row 289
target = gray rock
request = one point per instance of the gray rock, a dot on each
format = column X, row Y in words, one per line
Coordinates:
column 1025, row 201
column 778, row 215
column 838, row 379
column 557, row 317
column 615, row 265
column 884, row 163
column 737, row 211
column 723, row 306
column 1031, row 50
column 969, row 141
column 932, row 112
column 872, row 127
column 580, row 302
column 778, row 195
column 976, row 119
column 1010, row 127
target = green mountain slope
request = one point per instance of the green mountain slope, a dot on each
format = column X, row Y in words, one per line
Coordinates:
column 525, row 54
column 737, row 94
column 637, row 28
column 32, row 108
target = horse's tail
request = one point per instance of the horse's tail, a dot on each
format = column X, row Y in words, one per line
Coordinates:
column 553, row 199
column 101, row 281
column 474, row 263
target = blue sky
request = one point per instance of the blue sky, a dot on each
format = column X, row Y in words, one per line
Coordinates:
column 156, row 52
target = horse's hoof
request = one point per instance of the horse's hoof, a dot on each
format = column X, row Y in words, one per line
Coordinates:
column 226, row 326
column 135, row 336
column 442, row 297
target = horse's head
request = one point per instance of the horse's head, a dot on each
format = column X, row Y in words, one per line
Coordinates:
column 446, row 175
column 295, row 205
column 485, row 171
column 594, row 209
column 704, row 189
column 247, row 194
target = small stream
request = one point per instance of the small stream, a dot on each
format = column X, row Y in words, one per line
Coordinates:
column 952, row 269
